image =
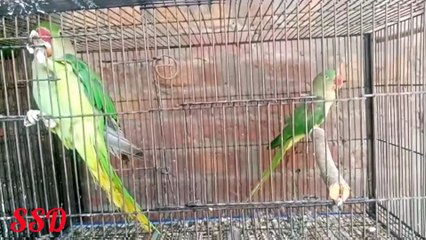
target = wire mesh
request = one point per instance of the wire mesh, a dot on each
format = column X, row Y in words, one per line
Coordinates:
column 203, row 92
column 305, row 222
column 164, row 25
column 399, row 118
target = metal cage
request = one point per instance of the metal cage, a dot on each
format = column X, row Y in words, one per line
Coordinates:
column 202, row 90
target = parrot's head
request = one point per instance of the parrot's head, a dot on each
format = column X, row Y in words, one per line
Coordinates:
column 49, row 34
column 325, row 84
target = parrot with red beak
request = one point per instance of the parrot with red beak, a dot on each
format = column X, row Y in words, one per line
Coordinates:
column 80, row 113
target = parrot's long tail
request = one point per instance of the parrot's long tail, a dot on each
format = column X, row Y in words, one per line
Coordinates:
column 118, row 144
column 276, row 161
column 96, row 157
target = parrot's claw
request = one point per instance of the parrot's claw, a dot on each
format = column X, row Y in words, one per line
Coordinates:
column 30, row 49
column 49, row 123
column 33, row 34
column 34, row 115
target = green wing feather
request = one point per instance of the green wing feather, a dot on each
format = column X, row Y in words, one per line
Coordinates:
column 305, row 118
column 93, row 150
column 93, row 86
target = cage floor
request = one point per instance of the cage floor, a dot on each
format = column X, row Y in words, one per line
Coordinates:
column 321, row 226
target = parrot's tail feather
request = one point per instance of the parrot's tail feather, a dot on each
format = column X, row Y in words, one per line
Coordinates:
column 276, row 161
column 96, row 157
column 267, row 173
column 118, row 144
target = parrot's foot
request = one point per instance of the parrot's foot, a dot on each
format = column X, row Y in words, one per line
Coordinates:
column 39, row 52
column 34, row 115
column 339, row 192
column 33, row 34
column 49, row 123
column 30, row 49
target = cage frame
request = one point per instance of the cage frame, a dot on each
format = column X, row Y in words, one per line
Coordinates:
column 368, row 41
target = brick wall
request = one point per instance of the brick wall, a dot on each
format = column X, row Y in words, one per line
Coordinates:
column 216, row 152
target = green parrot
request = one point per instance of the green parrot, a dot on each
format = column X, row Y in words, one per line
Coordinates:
column 117, row 143
column 74, row 90
column 306, row 117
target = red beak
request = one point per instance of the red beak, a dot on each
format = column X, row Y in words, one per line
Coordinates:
column 46, row 37
column 339, row 81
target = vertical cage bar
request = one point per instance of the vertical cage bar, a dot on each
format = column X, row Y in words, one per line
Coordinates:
column 370, row 115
